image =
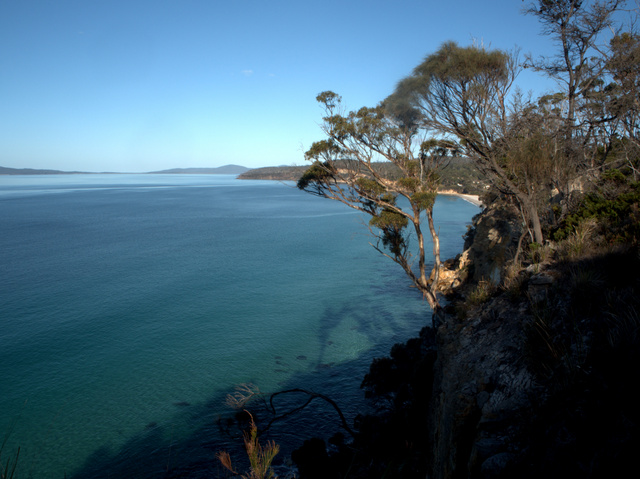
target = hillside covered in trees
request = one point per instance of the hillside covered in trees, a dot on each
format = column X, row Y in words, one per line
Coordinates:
column 459, row 175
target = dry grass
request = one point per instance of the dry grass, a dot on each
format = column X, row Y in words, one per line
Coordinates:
column 244, row 393
column 623, row 321
column 481, row 293
column 260, row 457
column 540, row 253
column 543, row 348
column 581, row 243
column 478, row 295
column 514, row 282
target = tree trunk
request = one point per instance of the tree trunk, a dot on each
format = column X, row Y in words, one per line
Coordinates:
column 421, row 253
column 534, row 219
column 436, row 245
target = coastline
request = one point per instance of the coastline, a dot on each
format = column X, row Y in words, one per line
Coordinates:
column 473, row 199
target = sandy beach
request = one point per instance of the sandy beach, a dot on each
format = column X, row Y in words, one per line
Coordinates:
column 473, row 199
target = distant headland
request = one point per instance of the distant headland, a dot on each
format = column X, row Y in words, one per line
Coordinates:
column 32, row 171
column 222, row 170
column 459, row 176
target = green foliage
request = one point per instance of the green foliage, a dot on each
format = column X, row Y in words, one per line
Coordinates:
column 424, row 200
column 580, row 243
column 389, row 198
column 538, row 253
column 615, row 176
column 392, row 225
column 409, row 183
column 316, row 173
column 321, row 148
column 329, row 99
column 615, row 206
column 452, row 63
column 388, row 219
column 533, row 247
column 340, row 126
column 482, row 293
column 439, row 147
column 624, row 64
column 369, row 187
column 412, row 167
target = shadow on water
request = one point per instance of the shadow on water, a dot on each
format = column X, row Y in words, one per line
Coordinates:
column 334, row 317
column 157, row 452
column 153, row 453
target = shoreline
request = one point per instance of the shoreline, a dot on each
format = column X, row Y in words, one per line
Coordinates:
column 473, row 199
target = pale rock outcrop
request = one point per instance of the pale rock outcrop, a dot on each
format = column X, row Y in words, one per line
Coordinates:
column 492, row 243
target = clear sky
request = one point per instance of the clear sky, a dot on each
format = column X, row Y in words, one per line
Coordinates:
column 135, row 86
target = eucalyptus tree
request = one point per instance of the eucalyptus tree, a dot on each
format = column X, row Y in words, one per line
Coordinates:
column 382, row 165
column 577, row 27
column 581, row 30
column 624, row 66
column 464, row 94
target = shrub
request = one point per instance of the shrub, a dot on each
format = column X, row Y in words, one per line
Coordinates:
column 615, row 206
column 513, row 282
column 481, row 293
column 260, row 457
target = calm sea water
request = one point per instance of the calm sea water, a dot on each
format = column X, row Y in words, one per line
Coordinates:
column 130, row 305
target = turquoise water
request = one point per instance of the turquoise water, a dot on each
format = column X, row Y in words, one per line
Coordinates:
column 130, row 305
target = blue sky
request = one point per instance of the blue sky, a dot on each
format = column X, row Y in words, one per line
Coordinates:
column 136, row 86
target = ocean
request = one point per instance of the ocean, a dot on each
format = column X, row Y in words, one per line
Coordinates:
column 131, row 305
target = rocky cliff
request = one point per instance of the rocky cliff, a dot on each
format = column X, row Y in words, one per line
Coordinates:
column 535, row 365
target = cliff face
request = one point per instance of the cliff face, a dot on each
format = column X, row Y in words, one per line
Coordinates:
column 481, row 383
column 488, row 250
column 482, row 390
column 528, row 380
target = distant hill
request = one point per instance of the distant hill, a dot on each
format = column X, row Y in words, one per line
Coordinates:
column 222, row 170
column 31, row 171
column 280, row 173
